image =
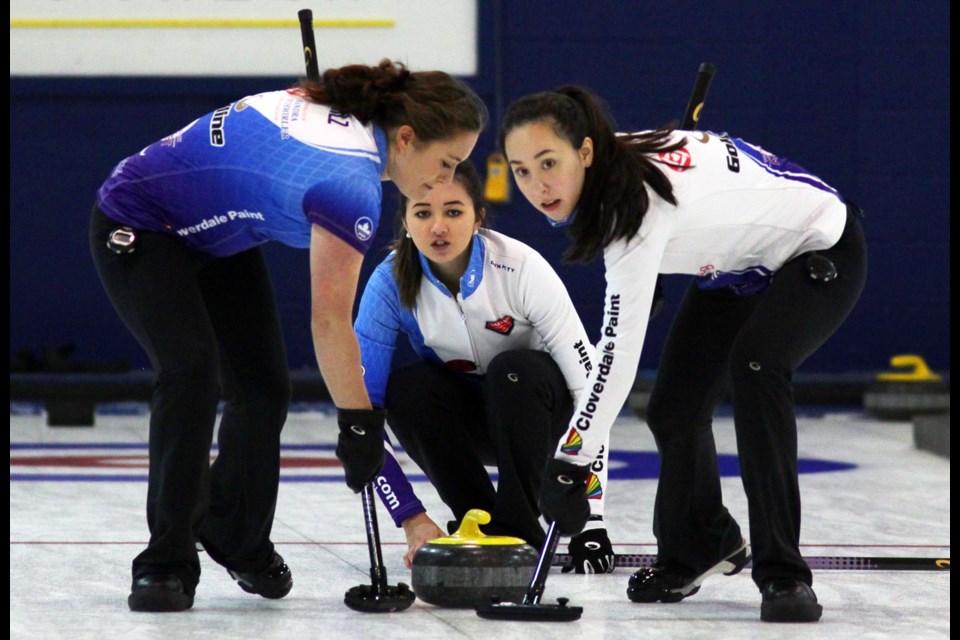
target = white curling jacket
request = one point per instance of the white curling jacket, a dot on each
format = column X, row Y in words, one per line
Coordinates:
column 741, row 213
column 510, row 298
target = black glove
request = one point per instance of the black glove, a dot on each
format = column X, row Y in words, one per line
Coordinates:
column 563, row 496
column 591, row 552
column 360, row 445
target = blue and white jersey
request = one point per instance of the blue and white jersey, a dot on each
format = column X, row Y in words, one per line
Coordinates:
column 510, row 298
column 263, row 168
column 742, row 213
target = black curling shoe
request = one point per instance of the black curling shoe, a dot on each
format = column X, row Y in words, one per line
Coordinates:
column 659, row 584
column 273, row 581
column 789, row 600
column 158, row 593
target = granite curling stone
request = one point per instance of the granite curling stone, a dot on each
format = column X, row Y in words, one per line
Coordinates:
column 469, row 567
column 904, row 395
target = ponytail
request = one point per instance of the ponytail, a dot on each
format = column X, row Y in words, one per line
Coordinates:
column 434, row 103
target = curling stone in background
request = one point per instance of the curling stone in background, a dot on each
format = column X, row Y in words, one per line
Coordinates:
column 469, row 567
column 919, row 396
column 902, row 395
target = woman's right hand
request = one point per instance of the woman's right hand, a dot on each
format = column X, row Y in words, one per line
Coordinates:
column 419, row 530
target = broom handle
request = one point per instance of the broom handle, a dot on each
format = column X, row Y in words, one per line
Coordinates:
column 378, row 574
column 535, row 591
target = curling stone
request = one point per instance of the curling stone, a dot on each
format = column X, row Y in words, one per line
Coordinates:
column 469, row 567
column 905, row 394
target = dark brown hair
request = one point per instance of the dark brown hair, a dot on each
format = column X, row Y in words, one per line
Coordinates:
column 406, row 263
column 434, row 103
column 614, row 199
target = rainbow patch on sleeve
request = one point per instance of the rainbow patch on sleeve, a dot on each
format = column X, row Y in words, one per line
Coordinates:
column 594, row 490
column 573, row 444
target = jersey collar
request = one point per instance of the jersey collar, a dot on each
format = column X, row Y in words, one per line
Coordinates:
column 380, row 137
column 472, row 276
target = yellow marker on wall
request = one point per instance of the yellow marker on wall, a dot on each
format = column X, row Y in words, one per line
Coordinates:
column 497, row 188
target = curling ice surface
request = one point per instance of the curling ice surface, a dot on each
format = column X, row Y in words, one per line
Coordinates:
column 73, row 535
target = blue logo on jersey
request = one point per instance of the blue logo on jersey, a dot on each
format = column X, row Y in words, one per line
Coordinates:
column 363, row 228
column 744, row 282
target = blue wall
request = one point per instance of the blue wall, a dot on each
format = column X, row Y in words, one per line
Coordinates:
column 857, row 92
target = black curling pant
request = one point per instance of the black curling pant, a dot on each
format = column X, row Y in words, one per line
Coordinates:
column 753, row 344
column 452, row 425
column 211, row 329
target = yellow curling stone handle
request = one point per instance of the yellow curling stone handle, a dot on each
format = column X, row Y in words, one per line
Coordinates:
column 920, row 371
column 469, row 532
